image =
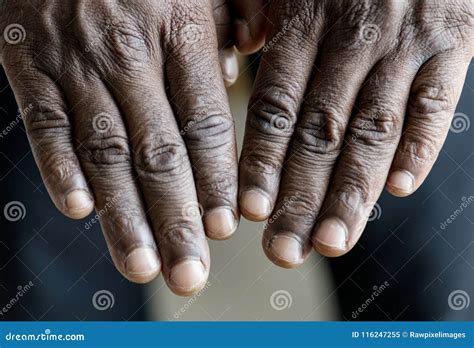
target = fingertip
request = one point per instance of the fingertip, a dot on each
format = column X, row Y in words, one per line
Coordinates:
column 229, row 66
column 142, row 265
column 400, row 183
column 328, row 251
column 79, row 204
column 255, row 205
column 248, row 41
column 330, row 238
column 284, row 251
column 220, row 223
column 187, row 277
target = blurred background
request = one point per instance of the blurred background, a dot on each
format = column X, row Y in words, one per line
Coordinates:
column 415, row 260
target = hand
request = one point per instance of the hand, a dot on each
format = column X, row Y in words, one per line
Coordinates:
column 126, row 110
column 350, row 97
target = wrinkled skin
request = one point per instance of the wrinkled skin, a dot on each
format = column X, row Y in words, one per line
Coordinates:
column 126, row 111
column 350, row 97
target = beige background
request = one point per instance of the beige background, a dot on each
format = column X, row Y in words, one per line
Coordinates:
column 243, row 284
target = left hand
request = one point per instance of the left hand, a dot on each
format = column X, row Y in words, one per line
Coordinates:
column 350, row 97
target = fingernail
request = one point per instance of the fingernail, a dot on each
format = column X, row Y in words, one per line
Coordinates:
column 188, row 276
column 332, row 233
column 229, row 66
column 402, row 181
column 287, row 249
column 220, row 223
column 242, row 32
column 255, row 205
column 79, row 203
column 142, row 264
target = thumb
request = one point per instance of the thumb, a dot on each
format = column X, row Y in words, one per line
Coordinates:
column 227, row 57
column 250, row 24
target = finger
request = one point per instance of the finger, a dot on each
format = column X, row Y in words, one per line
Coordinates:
column 433, row 98
column 223, row 22
column 229, row 66
column 45, row 115
column 362, row 168
column 227, row 56
column 279, row 90
column 161, row 161
column 316, row 144
column 164, row 172
column 250, row 24
column 104, row 152
column 199, row 101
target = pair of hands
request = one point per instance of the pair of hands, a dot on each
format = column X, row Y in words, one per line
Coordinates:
column 128, row 113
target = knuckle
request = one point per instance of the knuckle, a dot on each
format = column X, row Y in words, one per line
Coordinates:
column 365, row 26
column 61, row 167
column 356, row 199
column 273, row 111
column 112, row 43
column 375, row 127
column 448, row 28
column 208, row 129
column 47, row 123
column 303, row 211
column 160, row 158
column 105, row 150
column 189, row 24
column 321, row 131
column 128, row 44
column 353, row 190
column 218, row 187
column 418, row 150
column 300, row 206
column 181, row 234
column 429, row 100
column 262, row 162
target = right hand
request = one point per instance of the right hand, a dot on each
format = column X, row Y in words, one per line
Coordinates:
column 129, row 114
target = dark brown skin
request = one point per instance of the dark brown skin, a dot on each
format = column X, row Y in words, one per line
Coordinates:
column 350, row 97
column 130, row 116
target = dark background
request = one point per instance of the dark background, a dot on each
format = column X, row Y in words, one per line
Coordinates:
column 404, row 247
